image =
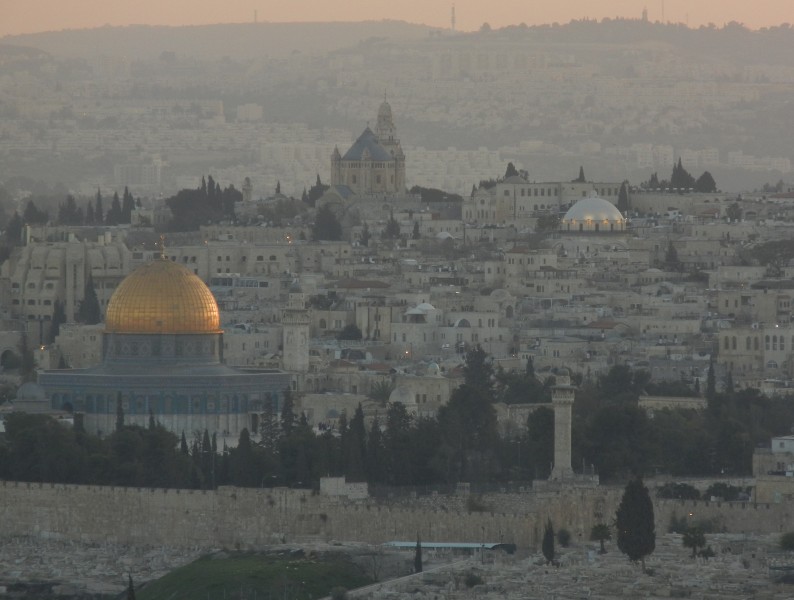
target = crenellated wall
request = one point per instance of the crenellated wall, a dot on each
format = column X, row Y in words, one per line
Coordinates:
column 247, row 518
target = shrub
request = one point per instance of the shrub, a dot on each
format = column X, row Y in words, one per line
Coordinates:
column 564, row 537
column 678, row 491
column 473, row 579
column 787, row 541
column 338, row 593
column 677, row 524
column 725, row 491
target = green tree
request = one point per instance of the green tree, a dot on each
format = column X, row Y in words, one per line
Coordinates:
column 415, row 235
column 119, row 414
column 99, row 213
column 600, row 533
column 381, row 391
column 326, row 225
column 34, row 216
column 635, row 522
column 511, row 170
column 89, row 312
column 705, row 183
column 418, row 556
column 287, row 413
column 671, row 259
column 350, row 332
column 392, row 229
column 547, row 223
column 695, row 539
column 623, row 198
column 548, row 542
column 58, row 319
column 130, row 589
column 581, row 178
column 113, row 217
column 681, row 178
column 787, row 541
column 711, row 383
column 734, row 212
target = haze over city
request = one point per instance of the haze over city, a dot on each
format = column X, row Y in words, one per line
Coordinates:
column 49, row 15
column 413, row 298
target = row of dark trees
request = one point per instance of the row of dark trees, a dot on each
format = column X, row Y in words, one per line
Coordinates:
column 462, row 443
column 208, row 203
column 681, row 179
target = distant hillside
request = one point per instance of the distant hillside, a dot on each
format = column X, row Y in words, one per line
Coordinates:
column 240, row 40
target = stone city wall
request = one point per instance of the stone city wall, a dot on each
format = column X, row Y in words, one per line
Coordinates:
column 248, row 518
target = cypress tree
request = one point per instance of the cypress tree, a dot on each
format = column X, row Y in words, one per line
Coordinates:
column 119, row 413
column 548, row 542
column 89, row 311
column 623, row 198
column 635, row 522
column 418, row 556
column 130, row 589
column 287, row 413
column 711, row 382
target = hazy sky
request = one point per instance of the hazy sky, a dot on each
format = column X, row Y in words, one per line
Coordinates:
column 25, row 16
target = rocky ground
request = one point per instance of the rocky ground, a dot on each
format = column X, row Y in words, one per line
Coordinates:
column 745, row 567
column 740, row 570
column 36, row 568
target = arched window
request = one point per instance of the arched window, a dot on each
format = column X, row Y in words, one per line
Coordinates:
column 747, row 343
column 766, row 343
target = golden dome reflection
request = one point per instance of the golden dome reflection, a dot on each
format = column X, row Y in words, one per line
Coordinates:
column 162, row 297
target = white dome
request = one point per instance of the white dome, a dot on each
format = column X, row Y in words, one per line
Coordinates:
column 593, row 214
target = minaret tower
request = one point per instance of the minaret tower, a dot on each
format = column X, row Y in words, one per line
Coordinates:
column 562, row 396
column 295, row 324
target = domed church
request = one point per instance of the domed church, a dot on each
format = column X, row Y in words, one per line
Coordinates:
column 162, row 356
column 375, row 163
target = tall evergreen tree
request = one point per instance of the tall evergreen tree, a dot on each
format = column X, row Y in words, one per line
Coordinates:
column 130, row 589
column 635, row 522
column 114, row 214
column 119, row 413
column 711, row 382
column 581, row 178
column 623, row 198
column 511, row 170
column 326, row 225
column 418, row 556
column 89, row 312
column 99, row 212
column 127, row 205
column 548, row 542
column 58, row 319
column 287, row 413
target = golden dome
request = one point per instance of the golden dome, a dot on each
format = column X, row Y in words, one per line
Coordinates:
column 162, row 297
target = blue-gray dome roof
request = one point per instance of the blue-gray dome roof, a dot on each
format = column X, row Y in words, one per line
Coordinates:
column 367, row 141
